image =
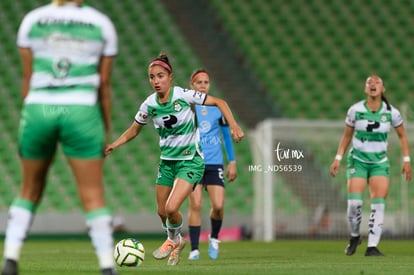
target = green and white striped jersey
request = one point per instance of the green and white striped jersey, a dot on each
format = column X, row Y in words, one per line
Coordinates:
column 175, row 122
column 67, row 43
column 370, row 140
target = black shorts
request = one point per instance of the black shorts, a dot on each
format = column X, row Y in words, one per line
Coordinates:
column 213, row 175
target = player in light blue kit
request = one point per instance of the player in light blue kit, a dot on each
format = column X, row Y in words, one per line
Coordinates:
column 213, row 130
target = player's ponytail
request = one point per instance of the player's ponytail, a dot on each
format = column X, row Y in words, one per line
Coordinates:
column 386, row 102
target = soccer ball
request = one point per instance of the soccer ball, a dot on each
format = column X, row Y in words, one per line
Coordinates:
column 129, row 252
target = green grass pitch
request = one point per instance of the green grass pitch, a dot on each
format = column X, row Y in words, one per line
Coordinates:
column 75, row 256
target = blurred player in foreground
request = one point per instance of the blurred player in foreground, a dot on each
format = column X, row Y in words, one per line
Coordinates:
column 67, row 51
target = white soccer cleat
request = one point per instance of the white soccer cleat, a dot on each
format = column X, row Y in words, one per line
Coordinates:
column 194, row 255
column 213, row 248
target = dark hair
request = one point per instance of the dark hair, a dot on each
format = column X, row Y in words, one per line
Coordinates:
column 163, row 61
column 386, row 102
column 384, row 98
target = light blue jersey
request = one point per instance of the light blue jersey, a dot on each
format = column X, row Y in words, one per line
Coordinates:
column 213, row 129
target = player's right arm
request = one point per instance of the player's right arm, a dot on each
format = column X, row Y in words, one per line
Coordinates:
column 126, row 136
column 27, row 61
column 343, row 145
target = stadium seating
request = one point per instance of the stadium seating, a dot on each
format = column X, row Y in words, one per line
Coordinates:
column 130, row 172
column 315, row 56
column 317, row 49
column 312, row 56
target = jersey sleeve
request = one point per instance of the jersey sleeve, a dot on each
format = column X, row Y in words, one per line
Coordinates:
column 228, row 143
column 111, row 38
column 194, row 97
column 142, row 115
column 350, row 117
column 396, row 118
column 23, row 40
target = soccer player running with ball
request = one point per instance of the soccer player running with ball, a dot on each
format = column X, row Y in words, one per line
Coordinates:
column 367, row 125
column 67, row 51
column 181, row 163
column 213, row 129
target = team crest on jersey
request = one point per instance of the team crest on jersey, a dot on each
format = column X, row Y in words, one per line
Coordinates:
column 177, row 106
column 143, row 116
column 204, row 126
column 350, row 119
column 384, row 117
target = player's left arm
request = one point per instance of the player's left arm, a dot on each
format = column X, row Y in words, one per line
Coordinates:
column 231, row 169
column 402, row 135
column 235, row 130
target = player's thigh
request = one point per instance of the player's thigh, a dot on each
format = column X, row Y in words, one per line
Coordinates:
column 356, row 185
column 378, row 186
column 34, row 178
column 89, row 177
column 162, row 192
column 82, row 132
column 181, row 190
column 38, row 131
column 216, row 194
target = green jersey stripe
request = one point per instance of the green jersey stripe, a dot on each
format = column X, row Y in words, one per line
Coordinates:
column 173, row 106
column 63, row 68
column 371, row 136
column 178, row 152
column 66, row 89
column 371, row 157
column 182, row 129
column 379, row 117
column 73, row 29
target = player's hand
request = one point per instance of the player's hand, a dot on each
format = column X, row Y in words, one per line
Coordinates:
column 406, row 171
column 109, row 149
column 236, row 133
column 334, row 167
column 231, row 171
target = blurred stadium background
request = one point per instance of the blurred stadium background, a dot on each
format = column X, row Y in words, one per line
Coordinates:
column 300, row 63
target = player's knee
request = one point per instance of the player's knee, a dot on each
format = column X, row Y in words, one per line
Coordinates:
column 161, row 212
column 195, row 207
column 170, row 210
column 217, row 211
